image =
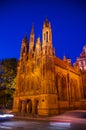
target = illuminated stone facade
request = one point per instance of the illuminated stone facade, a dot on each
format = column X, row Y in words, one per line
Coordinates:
column 46, row 85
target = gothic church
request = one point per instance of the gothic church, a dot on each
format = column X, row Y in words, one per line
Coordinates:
column 46, row 84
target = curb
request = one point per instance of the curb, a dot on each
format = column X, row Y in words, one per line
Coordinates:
column 31, row 118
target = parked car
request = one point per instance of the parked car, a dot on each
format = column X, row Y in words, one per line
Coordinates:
column 68, row 118
column 5, row 115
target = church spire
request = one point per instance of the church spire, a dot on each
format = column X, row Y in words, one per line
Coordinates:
column 46, row 23
column 31, row 44
column 25, row 38
column 24, row 48
column 32, row 31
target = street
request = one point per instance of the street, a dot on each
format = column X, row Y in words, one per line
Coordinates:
column 24, row 125
column 38, row 125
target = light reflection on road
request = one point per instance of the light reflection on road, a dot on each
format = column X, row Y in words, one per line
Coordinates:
column 28, row 125
column 38, row 125
column 61, row 124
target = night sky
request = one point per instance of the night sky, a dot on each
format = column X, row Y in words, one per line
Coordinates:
column 67, row 18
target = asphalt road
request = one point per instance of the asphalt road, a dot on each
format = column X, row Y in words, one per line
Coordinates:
column 38, row 125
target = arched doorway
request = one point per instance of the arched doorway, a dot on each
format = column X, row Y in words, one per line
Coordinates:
column 28, row 106
column 20, row 106
column 36, row 102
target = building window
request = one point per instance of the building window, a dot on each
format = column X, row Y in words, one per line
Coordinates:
column 38, row 62
column 49, row 37
column 46, row 36
column 63, row 89
column 24, row 49
column 84, row 67
column 80, row 68
column 79, row 62
column 84, row 62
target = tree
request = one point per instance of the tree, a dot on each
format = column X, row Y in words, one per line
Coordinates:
column 8, row 70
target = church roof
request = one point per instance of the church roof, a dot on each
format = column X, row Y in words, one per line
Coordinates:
column 64, row 65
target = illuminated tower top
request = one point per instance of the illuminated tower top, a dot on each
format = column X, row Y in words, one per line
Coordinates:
column 47, row 34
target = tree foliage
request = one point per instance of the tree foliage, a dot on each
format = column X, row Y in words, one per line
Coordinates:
column 8, row 70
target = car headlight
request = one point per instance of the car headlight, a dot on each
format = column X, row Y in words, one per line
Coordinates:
column 6, row 115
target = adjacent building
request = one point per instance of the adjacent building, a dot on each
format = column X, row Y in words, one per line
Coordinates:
column 81, row 64
column 81, row 61
column 46, row 84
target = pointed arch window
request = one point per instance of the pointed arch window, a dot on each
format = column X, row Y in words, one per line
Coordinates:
column 44, row 36
column 23, row 51
column 63, row 89
column 47, row 36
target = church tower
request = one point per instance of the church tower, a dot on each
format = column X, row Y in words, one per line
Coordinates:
column 48, row 88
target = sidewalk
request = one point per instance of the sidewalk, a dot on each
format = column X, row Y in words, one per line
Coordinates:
column 31, row 117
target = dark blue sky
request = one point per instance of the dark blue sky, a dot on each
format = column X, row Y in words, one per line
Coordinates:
column 67, row 18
